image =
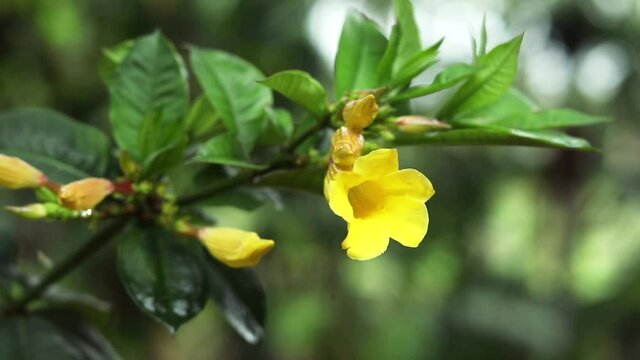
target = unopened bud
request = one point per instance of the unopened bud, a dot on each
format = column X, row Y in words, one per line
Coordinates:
column 32, row 211
column 358, row 114
column 419, row 124
column 18, row 174
column 233, row 247
column 129, row 167
column 85, row 193
column 346, row 146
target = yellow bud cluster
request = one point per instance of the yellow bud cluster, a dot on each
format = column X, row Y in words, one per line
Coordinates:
column 348, row 143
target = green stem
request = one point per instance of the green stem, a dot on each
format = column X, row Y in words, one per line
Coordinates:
column 320, row 125
column 62, row 268
column 230, row 183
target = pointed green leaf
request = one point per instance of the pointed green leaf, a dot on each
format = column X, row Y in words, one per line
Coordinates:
column 112, row 58
column 164, row 158
column 495, row 136
column 409, row 42
column 63, row 148
column 482, row 47
column 385, row 67
column 202, row 118
column 415, row 65
column 231, row 84
column 150, row 84
column 161, row 274
column 513, row 102
column 496, row 72
column 301, row 88
column 160, row 149
column 360, row 50
column 240, row 295
column 515, row 110
column 226, row 150
column 450, row 76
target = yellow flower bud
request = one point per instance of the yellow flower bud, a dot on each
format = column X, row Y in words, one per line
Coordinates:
column 419, row 124
column 33, row 211
column 359, row 114
column 346, row 146
column 235, row 248
column 18, row 174
column 85, row 193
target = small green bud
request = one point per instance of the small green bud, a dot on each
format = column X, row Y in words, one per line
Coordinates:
column 129, row 167
column 32, row 211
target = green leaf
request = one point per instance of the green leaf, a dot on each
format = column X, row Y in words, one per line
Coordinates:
column 309, row 180
column 513, row 102
column 86, row 339
column 450, row 76
column 301, row 88
column 161, row 274
column 514, row 110
column 360, row 50
column 385, row 67
column 494, row 136
column 226, row 150
column 42, row 336
column 409, row 43
column 482, row 48
column 149, row 97
column 230, row 83
column 112, row 58
column 241, row 297
column 496, row 72
column 64, row 149
column 164, row 158
column 415, row 65
column 279, row 128
column 202, row 118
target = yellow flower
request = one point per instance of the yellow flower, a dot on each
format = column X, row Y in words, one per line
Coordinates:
column 236, row 248
column 85, row 194
column 18, row 174
column 379, row 201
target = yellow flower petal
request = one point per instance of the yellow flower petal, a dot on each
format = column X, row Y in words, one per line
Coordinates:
column 235, row 248
column 377, row 163
column 409, row 182
column 405, row 219
column 338, row 191
column 365, row 240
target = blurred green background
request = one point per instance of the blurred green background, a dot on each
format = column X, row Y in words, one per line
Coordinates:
column 531, row 254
